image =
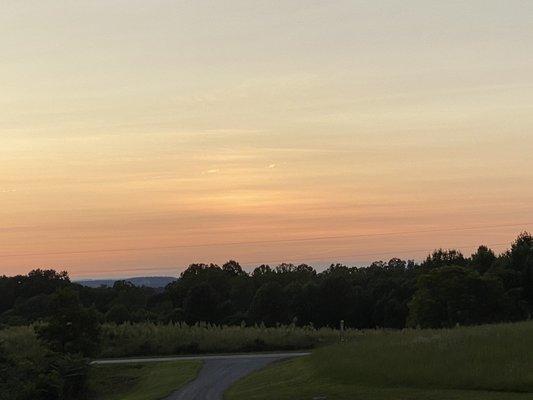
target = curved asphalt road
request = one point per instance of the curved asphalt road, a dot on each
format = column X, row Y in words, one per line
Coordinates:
column 217, row 374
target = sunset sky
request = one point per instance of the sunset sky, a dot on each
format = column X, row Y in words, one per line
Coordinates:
column 137, row 137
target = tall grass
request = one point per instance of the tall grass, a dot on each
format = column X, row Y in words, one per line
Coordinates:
column 152, row 339
column 147, row 339
column 490, row 357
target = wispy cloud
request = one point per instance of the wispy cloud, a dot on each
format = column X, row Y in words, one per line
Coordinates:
column 229, row 131
column 271, row 166
column 212, row 171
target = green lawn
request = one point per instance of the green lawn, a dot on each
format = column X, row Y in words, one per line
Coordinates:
column 487, row 362
column 143, row 381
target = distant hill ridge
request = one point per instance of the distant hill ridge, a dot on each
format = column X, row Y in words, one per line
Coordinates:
column 148, row 281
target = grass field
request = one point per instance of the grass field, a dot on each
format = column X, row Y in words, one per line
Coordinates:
column 486, row 362
column 151, row 381
column 148, row 339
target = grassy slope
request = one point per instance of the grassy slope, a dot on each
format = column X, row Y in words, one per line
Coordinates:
column 488, row 362
column 150, row 381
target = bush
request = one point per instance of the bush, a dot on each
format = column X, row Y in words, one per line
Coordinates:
column 29, row 370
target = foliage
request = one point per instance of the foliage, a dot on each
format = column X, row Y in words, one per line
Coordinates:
column 70, row 327
column 268, row 304
column 29, row 370
column 201, row 303
column 23, row 298
column 457, row 295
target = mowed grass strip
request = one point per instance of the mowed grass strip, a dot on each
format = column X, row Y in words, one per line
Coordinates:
column 485, row 362
column 143, row 381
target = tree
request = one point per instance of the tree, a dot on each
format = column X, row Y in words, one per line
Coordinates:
column 262, row 272
column 233, row 268
column 41, row 281
column 15, row 291
column 201, row 304
column 456, row 295
column 521, row 260
column 303, row 302
column 443, row 258
column 337, row 300
column 70, row 327
column 118, row 314
column 482, row 259
column 268, row 305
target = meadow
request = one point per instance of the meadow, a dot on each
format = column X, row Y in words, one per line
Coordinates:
column 149, row 339
column 144, row 339
column 483, row 362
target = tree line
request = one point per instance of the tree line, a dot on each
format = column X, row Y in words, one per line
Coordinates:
column 444, row 290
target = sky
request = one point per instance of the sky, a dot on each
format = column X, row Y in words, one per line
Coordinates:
column 137, row 137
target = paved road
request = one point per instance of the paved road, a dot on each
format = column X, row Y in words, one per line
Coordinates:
column 218, row 373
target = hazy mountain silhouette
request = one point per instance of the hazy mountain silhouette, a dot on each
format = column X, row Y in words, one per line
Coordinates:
column 148, row 281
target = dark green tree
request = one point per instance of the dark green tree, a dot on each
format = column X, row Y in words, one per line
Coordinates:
column 70, row 327
column 456, row 295
column 201, row 304
column 269, row 305
column 521, row 260
column 483, row 259
column 444, row 258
